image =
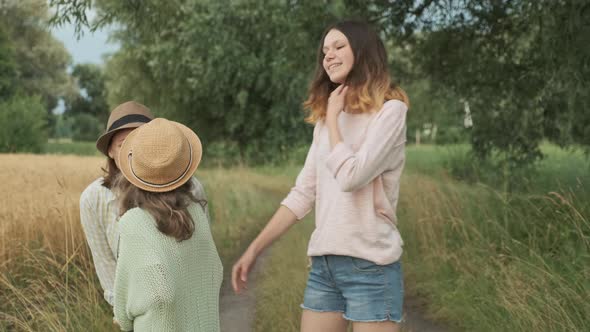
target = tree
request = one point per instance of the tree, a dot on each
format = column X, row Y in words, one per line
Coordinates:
column 236, row 70
column 85, row 127
column 41, row 60
column 32, row 61
column 520, row 69
column 7, row 66
column 91, row 98
column 23, row 124
column 222, row 68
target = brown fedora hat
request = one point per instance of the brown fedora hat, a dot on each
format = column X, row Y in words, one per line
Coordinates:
column 130, row 114
column 160, row 156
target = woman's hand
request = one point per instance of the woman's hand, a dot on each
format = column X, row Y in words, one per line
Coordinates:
column 336, row 103
column 280, row 222
column 335, row 106
column 239, row 273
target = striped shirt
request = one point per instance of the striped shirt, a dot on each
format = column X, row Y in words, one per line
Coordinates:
column 99, row 215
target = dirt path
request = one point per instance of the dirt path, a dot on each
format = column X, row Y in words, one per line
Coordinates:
column 237, row 312
column 415, row 320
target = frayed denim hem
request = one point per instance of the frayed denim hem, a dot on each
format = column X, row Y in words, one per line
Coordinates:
column 386, row 319
column 318, row 310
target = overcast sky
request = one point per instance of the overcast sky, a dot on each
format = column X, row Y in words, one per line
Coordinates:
column 91, row 46
column 89, row 49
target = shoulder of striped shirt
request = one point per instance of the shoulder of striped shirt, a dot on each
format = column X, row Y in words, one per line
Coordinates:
column 94, row 189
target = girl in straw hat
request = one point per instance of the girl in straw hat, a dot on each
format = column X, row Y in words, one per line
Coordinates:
column 169, row 273
column 98, row 208
column 351, row 175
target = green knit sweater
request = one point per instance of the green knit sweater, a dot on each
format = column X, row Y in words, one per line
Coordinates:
column 165, row 285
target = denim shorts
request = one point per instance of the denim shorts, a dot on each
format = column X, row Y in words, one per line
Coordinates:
column 362, row 290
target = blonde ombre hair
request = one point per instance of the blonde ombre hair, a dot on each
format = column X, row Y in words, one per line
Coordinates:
column 369, row 83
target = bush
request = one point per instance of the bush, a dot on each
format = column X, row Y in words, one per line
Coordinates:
column 86, row 127
column 452, row 135
column 23, row 121
column 63, row 126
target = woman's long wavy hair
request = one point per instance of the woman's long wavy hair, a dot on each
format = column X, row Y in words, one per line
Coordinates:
column 369, row 83
column 111, row 171
column 169, row 209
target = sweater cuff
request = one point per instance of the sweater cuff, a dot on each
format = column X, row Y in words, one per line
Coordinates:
column 126, row 326
column 339, row 154
column 298, row 209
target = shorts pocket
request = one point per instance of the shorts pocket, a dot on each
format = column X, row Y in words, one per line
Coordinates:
column 366, row 266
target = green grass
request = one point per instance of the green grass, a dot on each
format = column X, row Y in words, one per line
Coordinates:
column 279, row 290
column 432, row 159
column 487, row 264
column 481, row 260
column 560, row 169
column 68, row 147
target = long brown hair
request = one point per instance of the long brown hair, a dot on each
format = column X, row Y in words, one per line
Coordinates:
column 111, row 171
column 369, row 83
column 169, row 209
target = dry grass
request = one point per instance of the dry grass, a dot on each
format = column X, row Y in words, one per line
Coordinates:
column 39, row 203
column 47, row 279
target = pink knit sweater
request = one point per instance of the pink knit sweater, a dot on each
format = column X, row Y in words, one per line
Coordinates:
column 355, row 186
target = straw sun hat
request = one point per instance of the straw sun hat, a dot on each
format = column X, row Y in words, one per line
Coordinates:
column 130, row 114
column 160, row 156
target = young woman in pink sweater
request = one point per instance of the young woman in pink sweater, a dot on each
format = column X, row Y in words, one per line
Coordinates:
column 351, row 175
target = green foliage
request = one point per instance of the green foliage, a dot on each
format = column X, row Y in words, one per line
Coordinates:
column 91, row 98
column 519, row 67
column 236, row 71
column 437, row 108
column 40, row 59
column 32, row 63
column 86, row 127
column 7, row 66
column 23, row 122
column 240, row 84
column 63, row 126
column 560, row 169
column 69, row 147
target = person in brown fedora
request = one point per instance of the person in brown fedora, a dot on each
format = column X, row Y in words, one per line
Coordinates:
column 169, row 272
column 98, row 208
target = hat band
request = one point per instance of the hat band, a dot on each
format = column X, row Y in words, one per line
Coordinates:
column 155, row 185
column 129, row 118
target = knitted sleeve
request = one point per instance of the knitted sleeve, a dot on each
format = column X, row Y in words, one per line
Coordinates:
column 301, row 198
column 139, row 274
column 123, row 276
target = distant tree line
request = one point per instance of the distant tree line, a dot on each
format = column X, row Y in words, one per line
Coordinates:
column 237, row 71
column 34, row 77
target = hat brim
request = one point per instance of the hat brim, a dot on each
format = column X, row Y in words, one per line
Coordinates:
column 125, row 165
column 102, row 143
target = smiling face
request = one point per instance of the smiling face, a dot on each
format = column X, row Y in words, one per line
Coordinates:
column 338, row 56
